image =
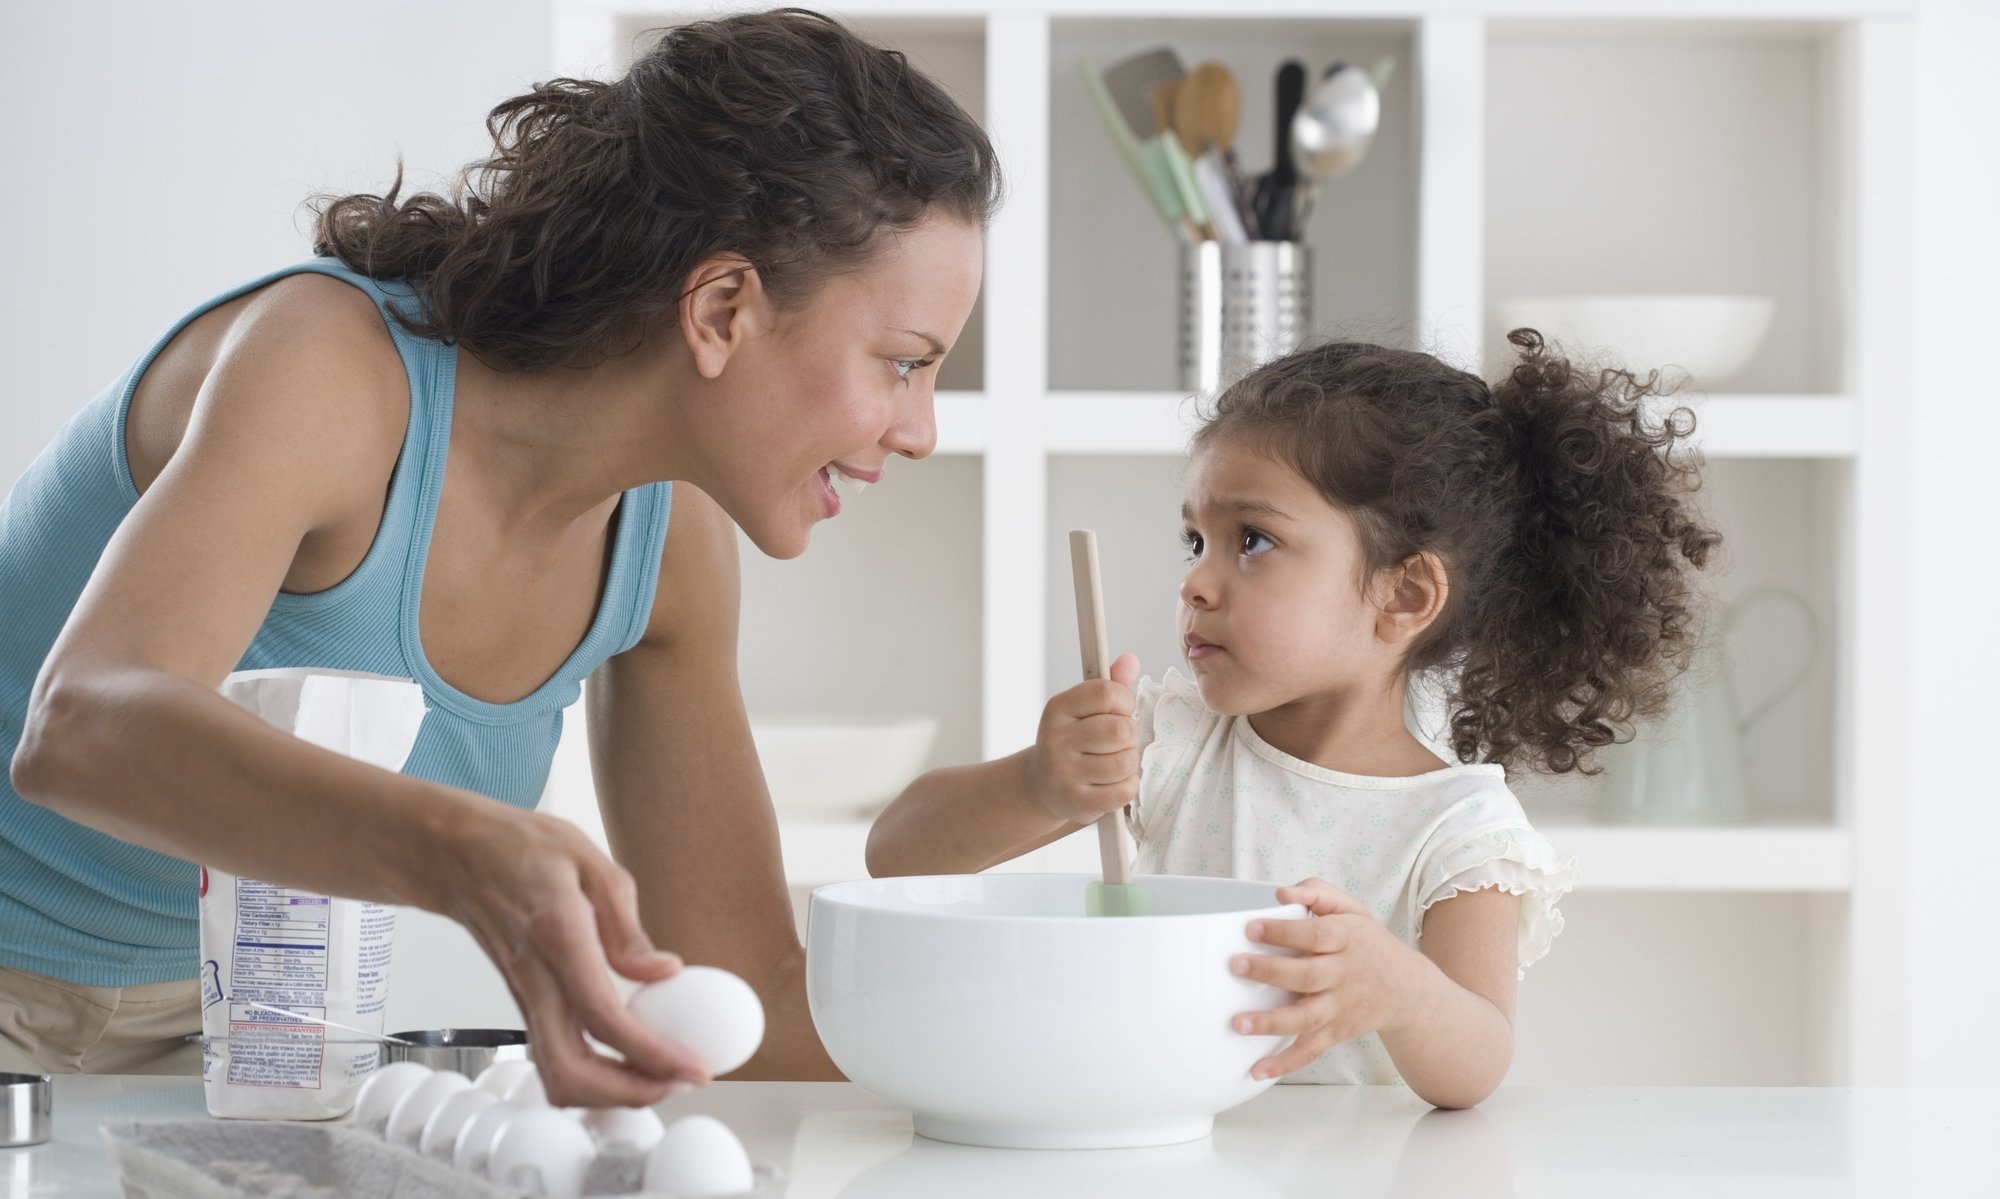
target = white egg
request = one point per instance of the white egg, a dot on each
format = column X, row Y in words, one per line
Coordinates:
column 710, row 1011
column 441, row 1131
column 475, row 1140
column 638, row 1127
column 699, row 1158
column 527, row 1091
column 543, row 1152
column 501, row 1075
column 413, row 1110
column 383, row 1089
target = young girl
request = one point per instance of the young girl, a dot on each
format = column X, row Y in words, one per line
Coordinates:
column 1358, row 518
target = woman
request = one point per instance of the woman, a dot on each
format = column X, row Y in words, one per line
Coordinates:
column 442, row 450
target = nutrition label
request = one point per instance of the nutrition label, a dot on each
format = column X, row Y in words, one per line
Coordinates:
column 279, row 958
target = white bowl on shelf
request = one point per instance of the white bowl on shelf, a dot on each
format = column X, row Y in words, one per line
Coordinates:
column 999, row 1014
column 1711, row 337
column 837, row 765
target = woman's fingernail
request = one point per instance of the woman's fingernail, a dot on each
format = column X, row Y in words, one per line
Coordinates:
column 677, row 1089
column 1256, row 930
column 1242, row 1024
column 1240, row 965
column 1259, row 1074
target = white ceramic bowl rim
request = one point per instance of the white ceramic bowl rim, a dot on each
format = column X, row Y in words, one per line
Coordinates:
column 887, row 897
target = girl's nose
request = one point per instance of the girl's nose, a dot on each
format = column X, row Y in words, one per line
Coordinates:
column 1198, row 588
column 914, row 433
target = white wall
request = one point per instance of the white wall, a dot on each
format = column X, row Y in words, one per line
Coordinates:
column 155, row 154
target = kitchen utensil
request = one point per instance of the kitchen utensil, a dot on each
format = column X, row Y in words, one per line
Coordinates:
column 1212, row 179
column 1115, row 895
column 1711, row 337
column 1207, row 107
column 1241, row 306
column 1272, row 200
column 1131, row 82
column 467, row 1051
column 837, row 765
column 27, row 1109
column 1690, row 767
column 989, row 1007
column 1207, row 110
column 1149, row 169
column 1168, row 148
column 1332, row 132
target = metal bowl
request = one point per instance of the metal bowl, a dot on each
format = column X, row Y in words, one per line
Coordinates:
column 27, row 1109
column 466, row 1050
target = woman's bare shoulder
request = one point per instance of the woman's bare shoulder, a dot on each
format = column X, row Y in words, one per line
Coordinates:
column 309, row 350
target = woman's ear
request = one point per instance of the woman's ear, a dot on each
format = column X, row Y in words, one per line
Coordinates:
column 720, row 306
column 1412, row 597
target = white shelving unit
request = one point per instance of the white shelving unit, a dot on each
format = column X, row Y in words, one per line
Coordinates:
column 1537, row 145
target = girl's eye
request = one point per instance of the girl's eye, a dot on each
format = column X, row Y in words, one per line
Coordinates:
column 905, row 367
column 1192, row 540
column 1252, row 539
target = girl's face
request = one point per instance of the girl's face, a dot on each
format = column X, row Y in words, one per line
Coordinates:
column 824, row 394
column 1273, row 609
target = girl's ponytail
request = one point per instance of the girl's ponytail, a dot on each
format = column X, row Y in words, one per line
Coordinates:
column 1558, row 504
column 1591, row 609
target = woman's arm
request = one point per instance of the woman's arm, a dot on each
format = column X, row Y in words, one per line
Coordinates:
column 683, row 796
column 296, row 429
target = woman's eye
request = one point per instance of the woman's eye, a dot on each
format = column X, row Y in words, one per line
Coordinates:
column 905, row 367
column 1252, row 540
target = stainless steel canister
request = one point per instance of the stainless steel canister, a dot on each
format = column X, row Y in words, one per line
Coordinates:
column 1241, row 306
column 27, row 1109
column 466, row 1050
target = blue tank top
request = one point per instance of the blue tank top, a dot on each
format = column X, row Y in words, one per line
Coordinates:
column 78, row 905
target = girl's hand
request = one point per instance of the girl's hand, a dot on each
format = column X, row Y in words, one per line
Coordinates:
column 1355, row 977
column 1085, row 761
column 553, row 912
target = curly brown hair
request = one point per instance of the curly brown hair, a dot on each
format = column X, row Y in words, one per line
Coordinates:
column 780, row 136
column 1559, row 505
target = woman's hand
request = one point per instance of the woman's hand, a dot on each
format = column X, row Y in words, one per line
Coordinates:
column 553, row 912
column 1353, row 978
column 1085, row 761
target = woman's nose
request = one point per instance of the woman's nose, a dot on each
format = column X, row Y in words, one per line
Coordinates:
column 914, row 433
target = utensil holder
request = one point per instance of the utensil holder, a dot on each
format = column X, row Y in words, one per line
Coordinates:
column 1241, row 306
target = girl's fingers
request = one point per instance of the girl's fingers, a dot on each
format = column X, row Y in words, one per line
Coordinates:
column 1296, row 1056
column 1321, row 898
column 1292, row 1020
column 1101, row 770
column 1316, row 934
column 1304, row 975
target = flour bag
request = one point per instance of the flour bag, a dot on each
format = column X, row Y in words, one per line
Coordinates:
column 291, row 980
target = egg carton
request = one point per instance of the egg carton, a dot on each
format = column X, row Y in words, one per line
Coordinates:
column 276, row 1159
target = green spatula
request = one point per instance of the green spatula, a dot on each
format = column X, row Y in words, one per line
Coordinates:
column 1116, row 895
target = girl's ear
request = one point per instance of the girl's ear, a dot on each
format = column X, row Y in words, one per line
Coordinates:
column 1412, row 597
column 722, row 304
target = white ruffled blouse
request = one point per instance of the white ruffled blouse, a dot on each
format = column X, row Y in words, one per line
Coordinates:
column 1216, row 799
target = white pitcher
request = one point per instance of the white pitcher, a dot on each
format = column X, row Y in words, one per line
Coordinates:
column 1689, row 767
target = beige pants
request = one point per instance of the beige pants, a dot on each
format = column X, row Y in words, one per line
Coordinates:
column 48, row 1026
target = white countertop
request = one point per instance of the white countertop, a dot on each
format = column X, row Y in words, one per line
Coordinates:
column 834, row 1141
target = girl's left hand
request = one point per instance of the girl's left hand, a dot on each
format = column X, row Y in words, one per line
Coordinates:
column 1354, row 977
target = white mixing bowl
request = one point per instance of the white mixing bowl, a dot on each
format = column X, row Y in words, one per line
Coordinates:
column 1000, row 1014
column 1711, row 337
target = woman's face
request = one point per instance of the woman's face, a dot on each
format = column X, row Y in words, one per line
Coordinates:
column 821, row 395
